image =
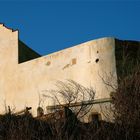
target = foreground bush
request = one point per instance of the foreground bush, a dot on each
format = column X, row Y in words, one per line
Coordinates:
column 127, row 104
column 26, row 127
column 23, row 127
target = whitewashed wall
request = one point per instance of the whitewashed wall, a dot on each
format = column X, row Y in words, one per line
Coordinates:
column 22, row 84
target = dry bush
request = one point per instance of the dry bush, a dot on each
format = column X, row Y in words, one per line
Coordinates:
column 23, row 127
column 74, row 96
column 126, row 103
column 127, row 99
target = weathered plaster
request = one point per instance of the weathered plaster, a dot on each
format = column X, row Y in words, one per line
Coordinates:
column 90, row 64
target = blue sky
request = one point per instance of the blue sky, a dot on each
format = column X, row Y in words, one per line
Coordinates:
column 49, row 26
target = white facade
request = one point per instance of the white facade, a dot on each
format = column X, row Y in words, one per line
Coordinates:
column 22, row 84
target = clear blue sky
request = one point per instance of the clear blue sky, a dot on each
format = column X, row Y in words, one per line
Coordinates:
column 49, row 26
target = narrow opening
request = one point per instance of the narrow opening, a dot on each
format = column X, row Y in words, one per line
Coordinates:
column 95, row 117
column 73, row 61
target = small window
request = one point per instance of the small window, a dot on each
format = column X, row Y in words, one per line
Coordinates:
column 73, row 61
column 95, row 117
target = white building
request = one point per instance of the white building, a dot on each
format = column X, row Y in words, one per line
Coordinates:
column 25, row 75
